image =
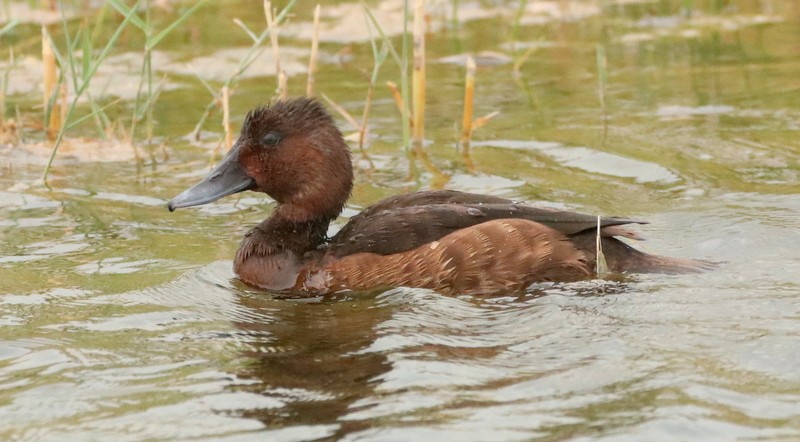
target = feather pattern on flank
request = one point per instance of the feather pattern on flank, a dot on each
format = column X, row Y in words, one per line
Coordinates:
column 499, row 256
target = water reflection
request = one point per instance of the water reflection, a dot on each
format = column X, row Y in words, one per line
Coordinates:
column 311, row 354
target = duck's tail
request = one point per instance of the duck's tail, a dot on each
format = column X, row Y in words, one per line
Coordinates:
column 622, row 258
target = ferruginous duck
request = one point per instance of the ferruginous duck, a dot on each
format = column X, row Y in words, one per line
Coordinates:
column 452, row 242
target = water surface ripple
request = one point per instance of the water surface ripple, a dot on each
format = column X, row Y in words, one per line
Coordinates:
column 120, row 321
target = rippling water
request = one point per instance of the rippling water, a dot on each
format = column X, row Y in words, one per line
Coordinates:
column 119, row 320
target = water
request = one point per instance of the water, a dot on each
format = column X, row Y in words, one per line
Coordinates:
column 121, row 320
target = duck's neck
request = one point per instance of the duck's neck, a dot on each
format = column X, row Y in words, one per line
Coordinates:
column 285, row 231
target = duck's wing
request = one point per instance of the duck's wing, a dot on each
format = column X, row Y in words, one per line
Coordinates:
column 429, row 197
column 397, row 229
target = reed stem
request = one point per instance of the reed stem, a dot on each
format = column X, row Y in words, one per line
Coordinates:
column 601, row 266
column 342, row 111
column 49, row 85
column 469, row 97
column 418, row 74
column 405, row 111
column 398, row 99
column 362, row 131
column 226, row 118
column 253, row 52
column 283, row 85
column 272, row 27
column 312, row 62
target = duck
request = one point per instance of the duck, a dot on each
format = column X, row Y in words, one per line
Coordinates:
column 448, row 241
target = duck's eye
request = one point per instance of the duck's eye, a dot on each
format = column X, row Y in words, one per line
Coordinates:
column 271, row 138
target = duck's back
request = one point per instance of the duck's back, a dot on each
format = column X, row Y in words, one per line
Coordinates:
column 403, row 222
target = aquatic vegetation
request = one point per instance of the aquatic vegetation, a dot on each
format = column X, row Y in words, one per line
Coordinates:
column 82, row 76
column 146, row 93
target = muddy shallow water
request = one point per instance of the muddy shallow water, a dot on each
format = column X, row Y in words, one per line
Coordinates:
column 120, row 320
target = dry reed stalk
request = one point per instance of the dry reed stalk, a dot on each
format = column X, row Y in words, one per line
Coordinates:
column 312, row 62
column 283, row 85
column 360, row 127
column 466, row 153
column 398, row 99
column 418, row 74
column 438, row 178
column 480, row 122
column 3, row 84
column 63, row 104
column 601, row 266
column 273, row 36
column 469, row 100
column 465, row 146
column 49, row 83
column 343, row 112
column 226, row 118
column 362, row 131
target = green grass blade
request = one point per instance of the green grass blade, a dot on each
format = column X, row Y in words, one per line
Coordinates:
column 100, row 21
column 284, row 12
column 384, row 37
column 402, row 63
column 69, row 61
column 86, row 56
column 252, row 54
column 204, row 82
column 247, row 30
column 153, row 42
column 96, row 111
column 124, row 10
column 255, row 49
column 107, row 49
column 151, row 99
column 8, row 27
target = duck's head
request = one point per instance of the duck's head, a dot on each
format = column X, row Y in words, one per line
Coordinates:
column 290, row 150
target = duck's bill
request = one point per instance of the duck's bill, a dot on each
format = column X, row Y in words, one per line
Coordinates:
column 226, row 179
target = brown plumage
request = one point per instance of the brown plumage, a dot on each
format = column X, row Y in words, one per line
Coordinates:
column 497, row 256
column 448, row 241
